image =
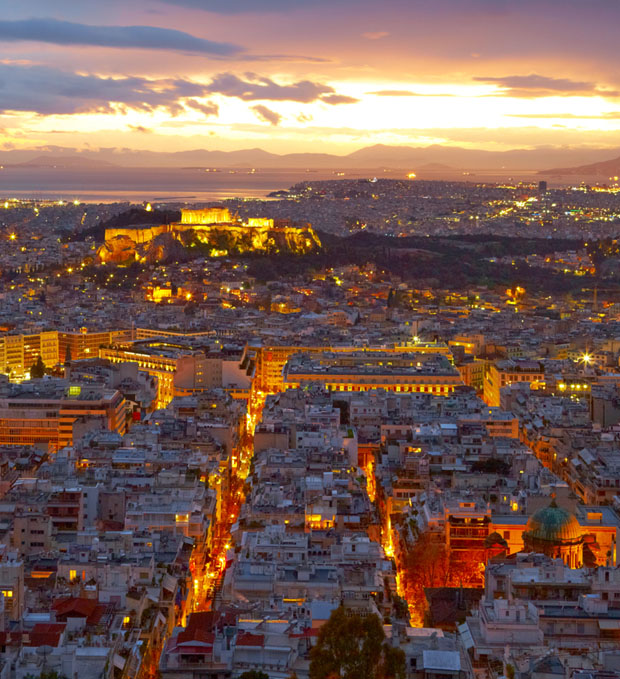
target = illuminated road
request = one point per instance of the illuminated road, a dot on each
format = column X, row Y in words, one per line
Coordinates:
column 389, row 540
column 207, row 568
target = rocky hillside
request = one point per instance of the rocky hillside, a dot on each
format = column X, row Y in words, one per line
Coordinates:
column 179, row 241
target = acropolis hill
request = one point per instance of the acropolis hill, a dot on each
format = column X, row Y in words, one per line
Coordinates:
column 216, row 228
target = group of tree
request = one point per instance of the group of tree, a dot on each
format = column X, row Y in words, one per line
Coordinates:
column 37, row 370
column 351, row 646
column 429, row 564
column 456, row 261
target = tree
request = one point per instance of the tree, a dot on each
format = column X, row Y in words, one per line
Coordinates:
column 343, row 406
column 38, row 369
column 427, row 563
column 351, row 646
column 400, row 608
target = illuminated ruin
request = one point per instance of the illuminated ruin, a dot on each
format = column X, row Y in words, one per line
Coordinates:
column 215, row 227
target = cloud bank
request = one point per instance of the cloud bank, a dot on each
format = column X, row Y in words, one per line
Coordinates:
column 258, row 88
column 48, row 91
column 57, row 32
column 534, row 85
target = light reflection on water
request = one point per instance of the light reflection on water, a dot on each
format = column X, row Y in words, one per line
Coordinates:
column 154, row 184
column 120, row 184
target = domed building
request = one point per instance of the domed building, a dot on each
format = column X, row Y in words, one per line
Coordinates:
column 554, row 531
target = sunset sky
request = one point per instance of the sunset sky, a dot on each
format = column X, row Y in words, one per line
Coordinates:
column 320, row 75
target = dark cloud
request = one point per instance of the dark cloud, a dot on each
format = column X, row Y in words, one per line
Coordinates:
column 534, row 85
column 57, row 32
column 537, row 82
column 142, row 37
column 267, row 114
column 209, row 108
column 46, row 90
column 258, row 88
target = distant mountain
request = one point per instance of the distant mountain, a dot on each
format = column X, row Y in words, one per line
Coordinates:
column 433, row 158
column 408, row 157
column 606, row 168
column 66, row 161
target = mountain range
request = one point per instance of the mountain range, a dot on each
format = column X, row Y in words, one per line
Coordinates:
column 430, row 159
column 606, row 169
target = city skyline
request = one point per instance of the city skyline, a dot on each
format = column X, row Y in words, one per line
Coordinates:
column 299, row 77
column 309, row 339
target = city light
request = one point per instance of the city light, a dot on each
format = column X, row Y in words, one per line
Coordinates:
column 295, row 404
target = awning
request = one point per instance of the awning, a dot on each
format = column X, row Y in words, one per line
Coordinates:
column 169, row 583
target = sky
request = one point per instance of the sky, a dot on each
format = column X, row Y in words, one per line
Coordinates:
column 327, row 76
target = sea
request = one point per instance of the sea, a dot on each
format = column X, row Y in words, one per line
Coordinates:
column 119, row 184
column 135, row 185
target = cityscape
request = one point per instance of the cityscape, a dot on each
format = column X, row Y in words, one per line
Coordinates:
column 287, row 392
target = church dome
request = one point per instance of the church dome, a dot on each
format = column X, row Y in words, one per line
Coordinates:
column 553, row 524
